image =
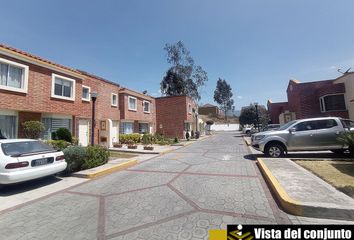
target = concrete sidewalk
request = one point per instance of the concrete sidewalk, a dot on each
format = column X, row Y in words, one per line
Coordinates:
column 302, row 193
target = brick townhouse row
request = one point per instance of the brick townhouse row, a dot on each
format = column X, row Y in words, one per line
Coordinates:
column 33, row 88
column 308, row 100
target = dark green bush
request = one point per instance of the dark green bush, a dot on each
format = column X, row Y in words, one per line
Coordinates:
column 75, row 157
column 64, row 134
column 95, row 156
column 58, row 144
column 347, row 139
column 125, row 138
column 33, row 129
column 176, row 140
column 147, row 139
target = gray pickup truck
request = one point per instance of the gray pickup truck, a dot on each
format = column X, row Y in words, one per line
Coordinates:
column 313, row 134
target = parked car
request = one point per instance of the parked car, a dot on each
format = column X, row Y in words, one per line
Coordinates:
column 248, row 129
column 303, row 135
column 26, row 159
column 270, row 127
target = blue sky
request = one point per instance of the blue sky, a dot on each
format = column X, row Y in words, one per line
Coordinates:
column 256, row 45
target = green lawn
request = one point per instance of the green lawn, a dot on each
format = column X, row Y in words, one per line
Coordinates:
column 121, row 155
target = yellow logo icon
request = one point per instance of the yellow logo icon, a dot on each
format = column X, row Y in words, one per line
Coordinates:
column 239, row 235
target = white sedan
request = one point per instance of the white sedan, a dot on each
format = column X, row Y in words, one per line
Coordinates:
column 26, row 159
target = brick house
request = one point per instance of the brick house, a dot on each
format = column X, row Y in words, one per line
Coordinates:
column 138, row 112
column 311, row 99
column 32, row 88
column 275, row 109
column 175, row 115
column 209, row 110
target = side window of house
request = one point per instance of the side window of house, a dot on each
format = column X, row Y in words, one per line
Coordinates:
column 63, row 87
column 85, row 93
column 8, row 126
column 332, row 103
column 53, row 124
column 13, row 76
column 126, row 127
column 132, row 103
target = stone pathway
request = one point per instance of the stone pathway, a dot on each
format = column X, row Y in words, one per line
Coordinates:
column 180, row 195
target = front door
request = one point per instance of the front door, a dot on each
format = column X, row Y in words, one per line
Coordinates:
column 84, row 132
column 303, row 136
column 115, row 131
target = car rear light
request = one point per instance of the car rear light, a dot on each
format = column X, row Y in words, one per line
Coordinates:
column 16, row 165
column 61, row 157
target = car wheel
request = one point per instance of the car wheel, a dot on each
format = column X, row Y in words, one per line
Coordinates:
column 274, row 150
column 338, row 151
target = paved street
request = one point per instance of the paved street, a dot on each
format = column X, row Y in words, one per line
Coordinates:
column 180, row 195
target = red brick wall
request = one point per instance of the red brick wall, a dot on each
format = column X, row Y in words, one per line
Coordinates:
column 303, row 98
column 172, row 113
column 138, row 115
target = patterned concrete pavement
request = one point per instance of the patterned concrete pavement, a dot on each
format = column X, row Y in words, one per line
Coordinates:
column 180, row 195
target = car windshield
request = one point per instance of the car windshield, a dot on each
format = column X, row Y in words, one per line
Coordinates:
column 285, row 126
column 29, row 147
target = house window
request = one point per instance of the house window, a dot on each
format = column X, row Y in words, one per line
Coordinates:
column 51, row 125
column 333, row 102
column 146, row 106
column 114, row 101
column 132, row 103
column 8, row 126
column 86, row 93
column 187, row 127
column 143, row 128
column 13, row 76
column 189, row 108
column 63, row 87
column 126, row 127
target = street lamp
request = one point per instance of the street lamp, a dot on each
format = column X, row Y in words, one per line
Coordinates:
column 94, row 98
column 257, row 117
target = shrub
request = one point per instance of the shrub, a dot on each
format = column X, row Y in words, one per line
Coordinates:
column 347, row 139
column 95, row 156
column 58, row 144
column 75, row 157
column 124, row 138
column 64, row 134
column 176, row 140
column 75, row 141
column 147, row 139
column 197, row 134
column 33, row 129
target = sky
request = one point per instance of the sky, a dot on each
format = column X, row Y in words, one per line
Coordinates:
column 255, row 45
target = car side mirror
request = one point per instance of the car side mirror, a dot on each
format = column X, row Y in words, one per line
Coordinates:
column 291, row 130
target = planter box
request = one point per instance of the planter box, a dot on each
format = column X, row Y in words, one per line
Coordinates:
column 148, row 148
column 132, row 146
column 118, row 145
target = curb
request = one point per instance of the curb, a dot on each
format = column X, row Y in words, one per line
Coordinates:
column 305, row 209
column 290, row 205
column 106, row 171
column 247, row 142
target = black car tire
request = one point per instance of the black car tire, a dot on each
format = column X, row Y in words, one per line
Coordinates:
column 274, row 150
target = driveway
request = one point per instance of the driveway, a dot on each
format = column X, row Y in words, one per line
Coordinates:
column 180, row 195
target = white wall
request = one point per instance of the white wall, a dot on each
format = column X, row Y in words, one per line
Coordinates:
column 225, row 127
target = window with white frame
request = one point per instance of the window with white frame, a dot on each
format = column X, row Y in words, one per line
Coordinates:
column 86, row 93
column 51, row 125
column 333, row 102
column 63, row 87
column 132, row 103
column 189, row 108
column 114, row 101
column 146, row 106
column 13, row 76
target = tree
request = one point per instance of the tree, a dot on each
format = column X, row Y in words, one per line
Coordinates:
column 183, row 77
column 223, row 96
column 249, row 116
column 33, row 129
